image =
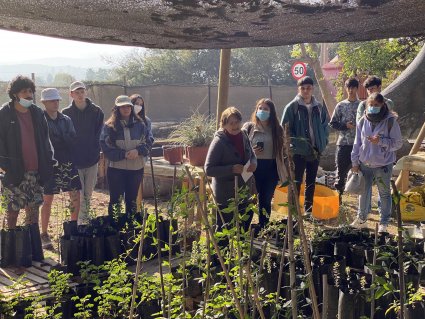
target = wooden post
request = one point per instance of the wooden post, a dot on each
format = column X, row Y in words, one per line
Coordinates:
column 403, row 178
column 223, row 83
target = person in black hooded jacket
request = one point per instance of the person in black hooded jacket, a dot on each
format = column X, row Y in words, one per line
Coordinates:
column 26, row 155
column 88, row 122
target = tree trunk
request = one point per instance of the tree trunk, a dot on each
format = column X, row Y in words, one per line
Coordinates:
column 408, row 94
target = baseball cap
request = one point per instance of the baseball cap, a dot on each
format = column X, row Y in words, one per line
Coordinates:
column 123, row 100
column 50, row 94
column 76, row 85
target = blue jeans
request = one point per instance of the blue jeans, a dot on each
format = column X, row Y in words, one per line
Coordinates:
column 266, row 179
column 382, row 178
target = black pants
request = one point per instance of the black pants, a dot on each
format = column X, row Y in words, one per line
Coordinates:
column 125, row 184
column 343, row 165
column 266, row 179
column 310, row 167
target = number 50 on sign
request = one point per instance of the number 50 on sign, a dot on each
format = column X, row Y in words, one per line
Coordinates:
column 298, row 70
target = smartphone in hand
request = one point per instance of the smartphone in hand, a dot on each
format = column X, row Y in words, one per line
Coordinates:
column 260, row 144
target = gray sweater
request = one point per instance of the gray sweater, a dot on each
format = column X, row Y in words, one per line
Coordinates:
column 221, row 157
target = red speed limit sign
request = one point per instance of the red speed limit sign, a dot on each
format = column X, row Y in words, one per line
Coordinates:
column 298, row 70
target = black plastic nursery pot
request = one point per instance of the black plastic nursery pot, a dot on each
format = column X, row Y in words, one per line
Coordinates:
column 70, row 254
column 341, row 248
column 322, row 247
column 194, row 287
column 415, row 310
column 70, row 228
column 356, row 256
column 147, row 309
column 112, row 246
column 7, row 247
column 36, row 246
column 23, row 251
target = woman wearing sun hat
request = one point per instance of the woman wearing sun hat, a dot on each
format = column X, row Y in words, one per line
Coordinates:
column 125, row 142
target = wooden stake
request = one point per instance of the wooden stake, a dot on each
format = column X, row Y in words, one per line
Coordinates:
column 161, row 274
column 282, row 264
column 303, row 237
column 375, row 253
column 138, row 264
column 397, row 196
column 216, row 247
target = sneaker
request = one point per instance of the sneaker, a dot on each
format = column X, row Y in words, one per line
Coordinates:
column 358, row 223
column 382, row 228
column 46, row 243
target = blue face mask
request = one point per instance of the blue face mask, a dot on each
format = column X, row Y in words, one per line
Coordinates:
column 373, row 109
column 263, row 115
column 25, row 103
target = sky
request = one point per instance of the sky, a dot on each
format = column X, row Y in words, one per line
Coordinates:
column 28, row 47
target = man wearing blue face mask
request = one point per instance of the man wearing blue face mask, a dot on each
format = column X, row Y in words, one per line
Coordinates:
column 26, row 154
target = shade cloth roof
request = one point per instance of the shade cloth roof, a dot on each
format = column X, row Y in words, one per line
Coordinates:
column 196, row 24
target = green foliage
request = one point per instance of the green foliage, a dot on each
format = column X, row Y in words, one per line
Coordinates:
column 197, row 130
column 249, row 66
column 385, row 58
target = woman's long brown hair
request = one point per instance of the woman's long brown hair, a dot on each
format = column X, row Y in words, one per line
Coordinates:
column 277, row 130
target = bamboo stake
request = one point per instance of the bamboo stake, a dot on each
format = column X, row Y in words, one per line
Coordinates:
column 208, row 243
column 214, row 199
column 396, row 194
column 170, row 242
column 375, row 252
column 305, row 248
column 161, row 274
column 207, row 282
column 282, row 264
column 138, row 264
column 263, row 256
column 292, row 274
column 256, row 298
column 217, row 249
column 238, row 236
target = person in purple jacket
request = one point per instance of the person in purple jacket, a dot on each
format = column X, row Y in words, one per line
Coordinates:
column 377, row 139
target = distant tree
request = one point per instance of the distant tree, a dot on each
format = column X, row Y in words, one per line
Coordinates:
column 248, row 66
column 49, row 79
column 99, row 75
column 63, row 79
column 256, row 66
column 386, row 58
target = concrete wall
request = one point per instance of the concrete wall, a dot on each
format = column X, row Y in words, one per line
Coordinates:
column 176, row 102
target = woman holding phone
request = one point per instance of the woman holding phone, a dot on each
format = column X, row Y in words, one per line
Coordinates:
column 266, row 136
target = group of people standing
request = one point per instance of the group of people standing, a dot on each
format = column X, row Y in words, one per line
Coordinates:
column 43, row 153
column 368, row 138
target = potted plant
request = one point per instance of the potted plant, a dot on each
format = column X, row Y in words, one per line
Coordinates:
column 196, row 133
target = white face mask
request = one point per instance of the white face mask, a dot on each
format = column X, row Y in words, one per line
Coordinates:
column 25, row 103
column 137, row 109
